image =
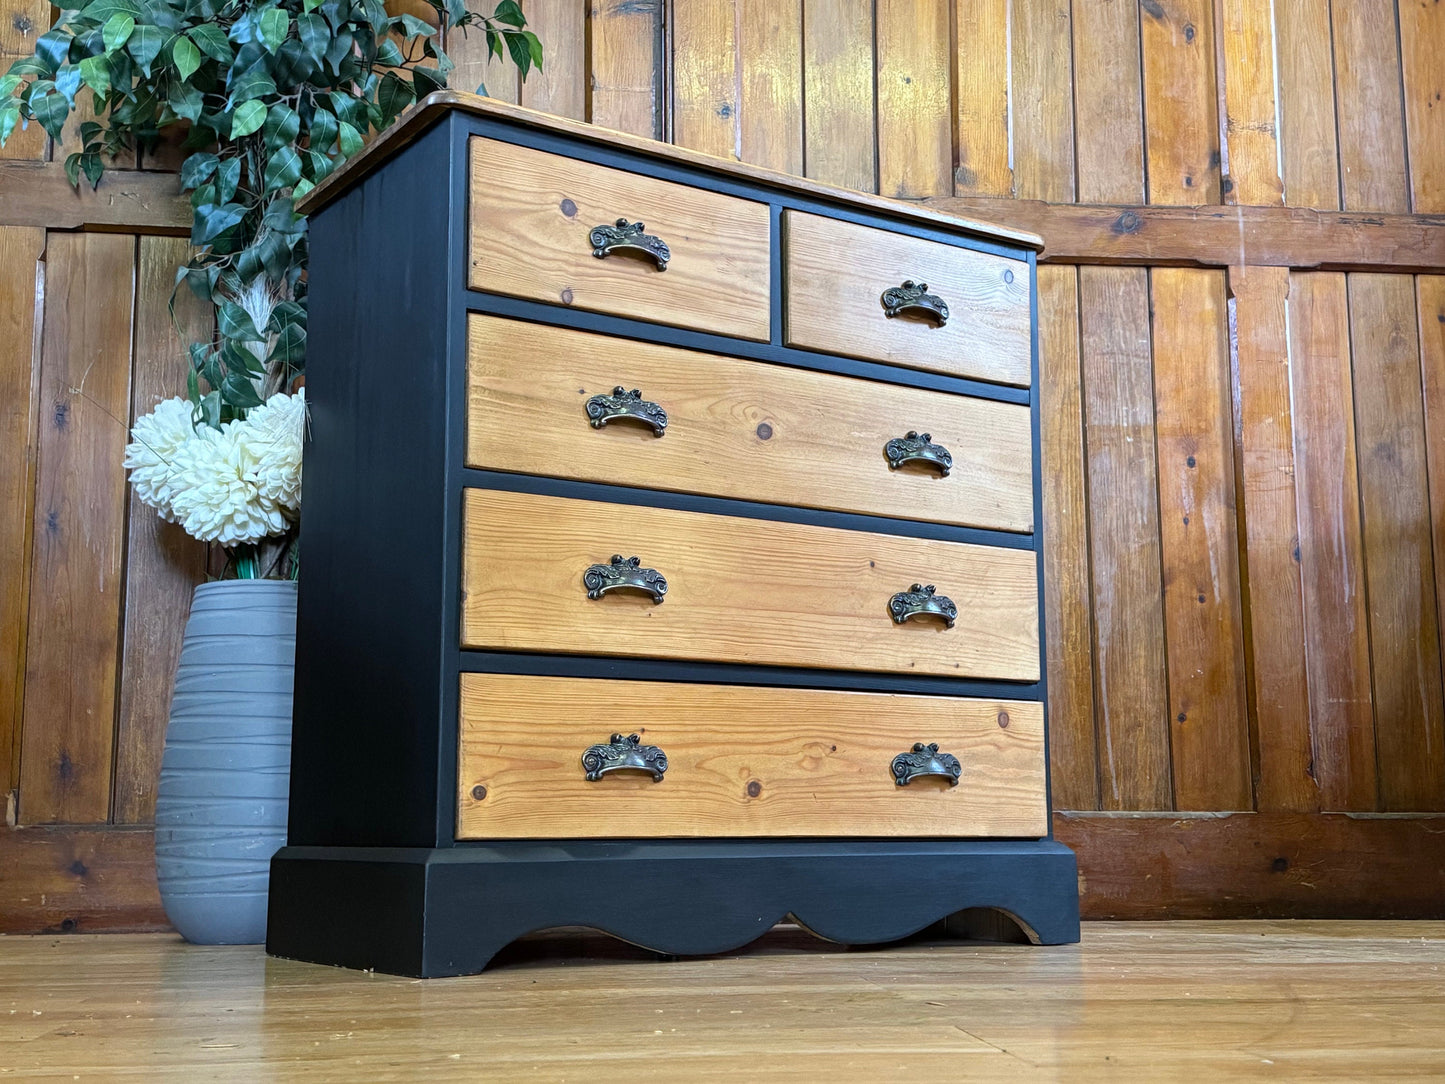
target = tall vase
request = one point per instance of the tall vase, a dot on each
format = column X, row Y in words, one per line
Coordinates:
column 222, row 799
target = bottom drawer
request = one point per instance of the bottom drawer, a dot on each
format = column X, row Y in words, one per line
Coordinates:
column 740, row 761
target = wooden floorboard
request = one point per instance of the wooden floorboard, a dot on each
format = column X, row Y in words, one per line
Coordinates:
column 1219, row 1001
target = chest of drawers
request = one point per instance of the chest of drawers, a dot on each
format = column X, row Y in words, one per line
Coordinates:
column 672, row 557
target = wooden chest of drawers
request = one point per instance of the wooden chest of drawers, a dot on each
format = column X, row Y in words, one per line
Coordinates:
column 667, row 579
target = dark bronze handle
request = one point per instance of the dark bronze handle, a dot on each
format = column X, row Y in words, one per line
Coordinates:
column 920, row 599
column 624, row 751
column 622, row 403
column 624, row 572
column 629, row 235
column 916, row 446
column 926, row 760
column 914, row 295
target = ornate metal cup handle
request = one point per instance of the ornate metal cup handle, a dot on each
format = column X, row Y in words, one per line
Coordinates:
column 914, row 295
column 926, row 760
column 629, row 235
column 916, row 447
column 920, row 599
column 624, row 572
column 622, row 403
column 624, row 751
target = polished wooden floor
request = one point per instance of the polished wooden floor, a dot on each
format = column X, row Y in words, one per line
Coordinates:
column 1200, row 1002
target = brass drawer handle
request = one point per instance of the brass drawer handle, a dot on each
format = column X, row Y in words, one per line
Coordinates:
column 622, row 403
column 624, row 751
column 916, row 447
column 624, row 572
column 914, row 295
column 626, row 236
column 920, row 599
column 926, row 760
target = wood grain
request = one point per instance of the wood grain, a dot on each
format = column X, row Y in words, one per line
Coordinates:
column 705, row 77
column 72, row 644
column 1042, row 100
column 739, row 429
column 1399, row 563
column 1203, row 623
column 79, row 880
column 741, row 761
column 21, row 23
column 1180, row 101
column 1130, row 696
column 20, row 311
column 1368, row 107
column 1275, row 623
column 1108, row 102
column 1422, row 45
column 624, row 87
column 561, row 86
column 981, row 88
column 1073, row 750
column 1430, row 309
column 1337, row 648
column 739, row 590
column 839, row 94
column 1309, row 143
column 531, row 213
column 770, row 125
column 39, row 194
column 915, row 124
column 834, row 305
column 163, row 564
column 1247, row 42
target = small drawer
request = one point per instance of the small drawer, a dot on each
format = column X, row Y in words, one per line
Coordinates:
column 838, row 273
column 532, row 218
column 738, row 590
column 741, row 761
column 733, row 428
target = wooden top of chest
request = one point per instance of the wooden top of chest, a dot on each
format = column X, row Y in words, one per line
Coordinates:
column 425, row 113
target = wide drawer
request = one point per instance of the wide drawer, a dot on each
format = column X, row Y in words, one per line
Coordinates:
column 739, row 429
column 740, row 761
column 531, row 219
column 837, row 273
column 738, row 590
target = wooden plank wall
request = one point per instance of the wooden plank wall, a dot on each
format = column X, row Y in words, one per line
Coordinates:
column 1243, row 328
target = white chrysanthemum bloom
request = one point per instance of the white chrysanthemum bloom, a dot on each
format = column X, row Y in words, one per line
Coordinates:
column 271, row 435
column 217, row 498
column 150, row 456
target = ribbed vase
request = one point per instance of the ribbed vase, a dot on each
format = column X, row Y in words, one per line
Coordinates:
column 222, row 798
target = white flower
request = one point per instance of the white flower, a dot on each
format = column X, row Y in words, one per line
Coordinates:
column 217, row 497
column 149, row 457
column 271, row 435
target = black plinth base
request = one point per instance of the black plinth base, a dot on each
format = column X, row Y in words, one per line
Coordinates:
column 438, row 912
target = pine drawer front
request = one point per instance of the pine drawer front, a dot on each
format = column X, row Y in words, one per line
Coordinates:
column 837, row 273
column 739, row 429
column 741, row 761
column 739, row 590
column 532, row 214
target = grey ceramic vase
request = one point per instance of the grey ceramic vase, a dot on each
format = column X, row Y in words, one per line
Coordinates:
column 222, row 798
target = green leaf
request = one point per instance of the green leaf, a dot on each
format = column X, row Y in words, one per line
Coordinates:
column 275, row 24
column 534, row 46
column 389, row 55
column 9, row 118
column 211, row 220
column 248, row 117
column 350, row 139
column 290, row 345
column 53, row 49
column 238, row 359
column 116, row 31
column 394, row 95
column 281, row 127
column 416, row 28
column 426, row 80
column 72, row 169
column 67, row 81
column 186, row 57
column 50, row 110
column 211, row 40
column 95, row 70
column 284, row 169
column 228, row 179
column 235, row 323
column 185, row 101
column 324, row 130
column 315, row 36
column 197, row 169
column 93, row 167
column 210, row 409
column 238, row 391
column 255, row 83
column 520, row 53
column 145, row 45
column 508, row 12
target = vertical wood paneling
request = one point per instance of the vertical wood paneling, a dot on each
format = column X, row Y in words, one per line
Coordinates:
column 1369, row 110
column 771, row 122
column 79, row 530
column 561, row 86
column 1129, row 679
column 915, row 125
column 1422, row 55
column 476, row 71
column 1276, row 625
column 705, row 76
column 1209, row 736
column 1042, row 100
column 1067, row 613
column 21, row 23
column 624, row 45
column 1399, row 565
column 1108, row 92
column 1337, row 649
column 981, row 83
column 1247, row 46
column 1180, row 101
column 20, row 252
column 838, row 93
column 163, row 565
column 1308, row 142
column 1430, row 306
